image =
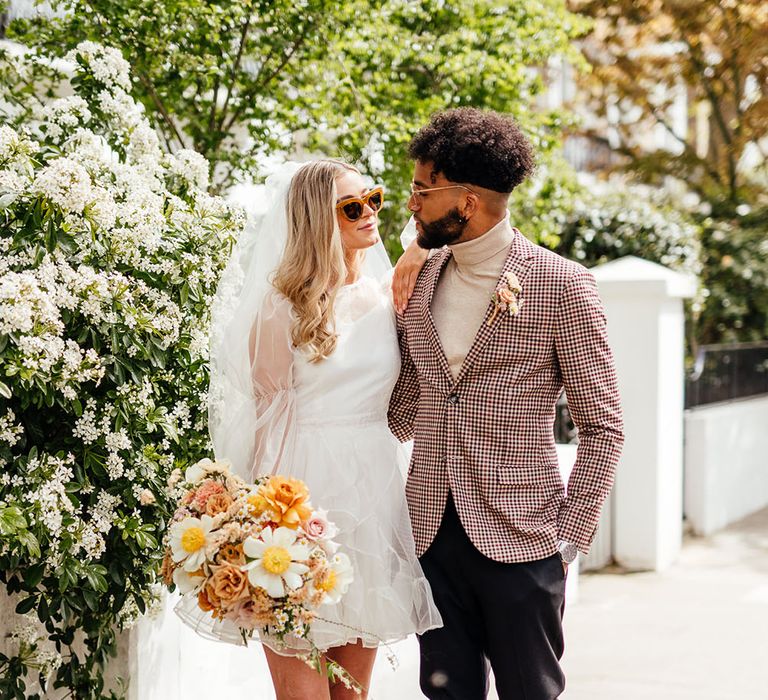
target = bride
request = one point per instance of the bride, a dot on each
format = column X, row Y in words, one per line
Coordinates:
column 304, row 357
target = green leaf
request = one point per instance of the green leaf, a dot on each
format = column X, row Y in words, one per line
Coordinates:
column 30, row 542
column 91, row 600
column 26, row 605
column 145, row 540
column 11, row 519
column 34, row 574
column 5, row 391
column 96, row 579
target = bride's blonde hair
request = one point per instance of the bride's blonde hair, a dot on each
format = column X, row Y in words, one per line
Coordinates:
column 312, row 269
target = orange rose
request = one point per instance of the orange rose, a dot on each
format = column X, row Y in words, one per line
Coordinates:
column 218, row 503
column 229, row 583
column 288, row 498
column 203, row 601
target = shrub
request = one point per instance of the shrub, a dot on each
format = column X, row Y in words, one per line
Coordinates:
column 110, row 252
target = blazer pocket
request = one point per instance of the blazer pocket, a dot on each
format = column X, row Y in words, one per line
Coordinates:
column 529, row 496
column 544, row 476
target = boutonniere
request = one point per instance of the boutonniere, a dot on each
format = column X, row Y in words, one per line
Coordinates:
column 506, row 297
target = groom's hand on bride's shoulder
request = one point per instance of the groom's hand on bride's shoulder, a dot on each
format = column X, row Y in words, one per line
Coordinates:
column 407, row 271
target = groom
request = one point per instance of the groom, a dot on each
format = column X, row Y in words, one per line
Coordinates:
column 494, row 331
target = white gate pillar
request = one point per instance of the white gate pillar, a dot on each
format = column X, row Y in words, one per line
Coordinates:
column 643, row 303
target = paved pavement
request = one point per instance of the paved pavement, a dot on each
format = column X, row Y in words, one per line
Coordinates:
column 698, row 631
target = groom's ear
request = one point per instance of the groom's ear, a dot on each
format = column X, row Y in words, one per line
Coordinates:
column 471, row 205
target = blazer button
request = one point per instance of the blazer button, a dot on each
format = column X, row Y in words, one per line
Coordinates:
column 453, row 399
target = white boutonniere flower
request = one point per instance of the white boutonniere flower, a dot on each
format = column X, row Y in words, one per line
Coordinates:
column 506, row 297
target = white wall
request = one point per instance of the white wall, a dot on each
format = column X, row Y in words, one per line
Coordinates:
column 726, row 462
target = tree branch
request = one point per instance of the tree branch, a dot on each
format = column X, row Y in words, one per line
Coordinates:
column 235, row 67
column 167, row 119
column 719, row 118
column 257, row 86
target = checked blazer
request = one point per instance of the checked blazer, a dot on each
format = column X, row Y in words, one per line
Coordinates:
column 488, row 435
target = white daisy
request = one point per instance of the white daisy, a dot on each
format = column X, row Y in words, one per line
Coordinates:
column 337, row 579
column 277, row 561
column 189, row 539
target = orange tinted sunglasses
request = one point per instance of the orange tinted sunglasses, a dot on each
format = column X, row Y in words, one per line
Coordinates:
column 352, row 209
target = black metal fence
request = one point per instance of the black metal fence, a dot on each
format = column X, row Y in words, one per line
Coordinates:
column 727, row 372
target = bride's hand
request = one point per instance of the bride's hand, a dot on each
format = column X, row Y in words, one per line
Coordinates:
column 406, row 271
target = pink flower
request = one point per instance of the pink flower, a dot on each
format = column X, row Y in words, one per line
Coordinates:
column 506, row 296
column 207, row 489
column 318, row 528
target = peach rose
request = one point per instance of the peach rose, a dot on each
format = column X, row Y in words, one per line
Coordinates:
column 288, row 499
column 229, row 583
column 205, row 491
column 506, row 296
column 250, row 614
column 218, row 503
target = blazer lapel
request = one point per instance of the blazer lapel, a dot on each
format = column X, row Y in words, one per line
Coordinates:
column 519, row 260
column 428, row 321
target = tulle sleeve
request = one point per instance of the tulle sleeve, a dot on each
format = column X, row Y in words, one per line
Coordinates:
column 409, row 233
column 271, row 358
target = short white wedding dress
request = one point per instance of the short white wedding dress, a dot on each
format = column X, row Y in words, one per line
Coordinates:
column 326, row 423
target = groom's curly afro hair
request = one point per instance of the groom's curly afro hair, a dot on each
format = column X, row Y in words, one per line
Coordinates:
column 475, row 146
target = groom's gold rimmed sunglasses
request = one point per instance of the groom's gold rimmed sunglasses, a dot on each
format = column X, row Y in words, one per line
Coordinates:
column 417, row 191
column 352, row 209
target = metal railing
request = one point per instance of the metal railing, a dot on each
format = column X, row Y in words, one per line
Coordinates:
column 727, row 372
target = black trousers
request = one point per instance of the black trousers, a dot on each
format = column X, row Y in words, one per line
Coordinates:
column 507, row 614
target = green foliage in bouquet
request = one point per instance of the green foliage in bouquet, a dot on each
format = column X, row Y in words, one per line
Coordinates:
column 110, row 251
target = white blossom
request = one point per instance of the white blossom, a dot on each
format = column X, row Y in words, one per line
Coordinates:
column 10, row 431
column 107, row 64
column 66, row 183
column 191, row 167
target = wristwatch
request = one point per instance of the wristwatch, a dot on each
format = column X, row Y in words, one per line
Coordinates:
column 568, row 551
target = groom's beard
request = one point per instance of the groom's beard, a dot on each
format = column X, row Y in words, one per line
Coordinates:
column 444, row 231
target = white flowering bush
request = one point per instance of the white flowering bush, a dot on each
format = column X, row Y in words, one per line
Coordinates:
column 110, row 252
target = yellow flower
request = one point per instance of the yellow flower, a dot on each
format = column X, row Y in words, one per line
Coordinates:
column 288, row 499
column 257, row 504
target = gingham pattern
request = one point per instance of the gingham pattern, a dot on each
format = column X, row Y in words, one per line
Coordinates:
column 489, row 434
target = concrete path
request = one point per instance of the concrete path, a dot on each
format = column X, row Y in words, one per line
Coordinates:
column 698, row 631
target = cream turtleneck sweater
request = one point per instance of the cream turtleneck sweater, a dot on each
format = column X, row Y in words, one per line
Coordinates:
column 464, row 290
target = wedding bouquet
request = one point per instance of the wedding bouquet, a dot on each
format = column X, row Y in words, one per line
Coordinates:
column 256, row 555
